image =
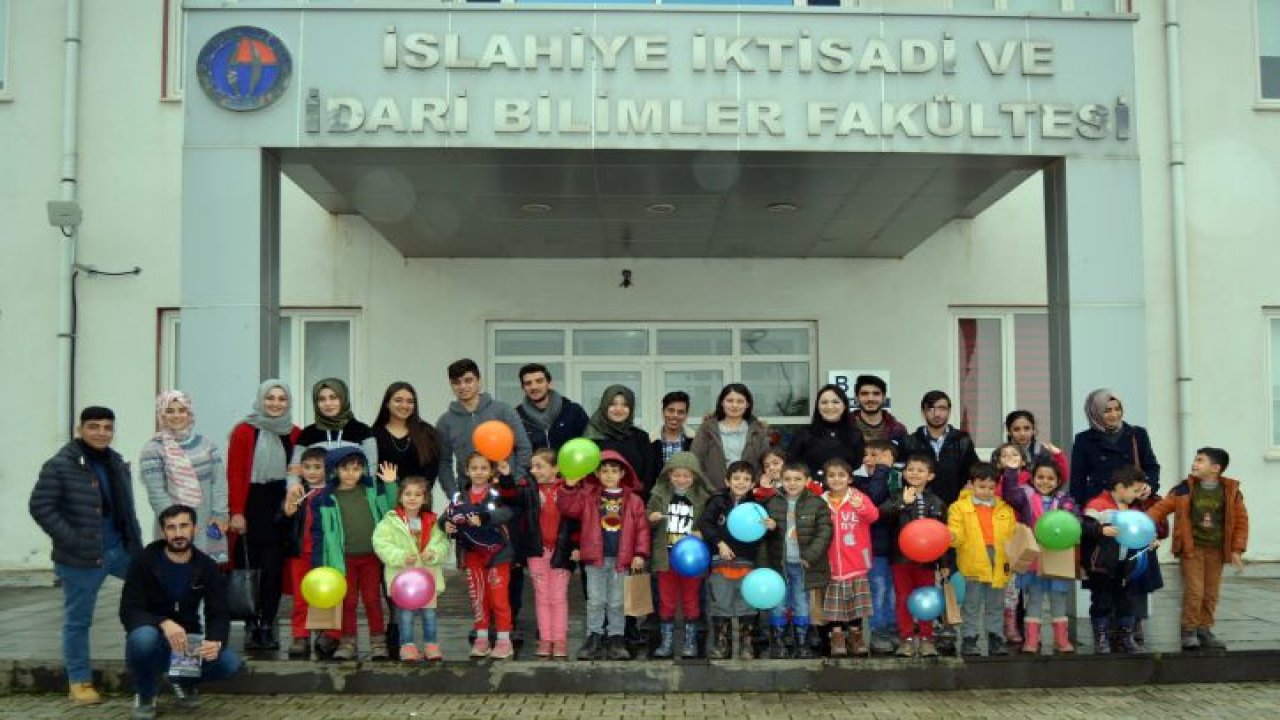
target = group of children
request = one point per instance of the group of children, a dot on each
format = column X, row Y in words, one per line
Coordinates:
column 835, row 544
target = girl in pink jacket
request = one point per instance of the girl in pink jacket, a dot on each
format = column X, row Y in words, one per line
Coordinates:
column 847, row 599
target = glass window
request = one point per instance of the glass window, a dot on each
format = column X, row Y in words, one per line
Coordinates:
column 1034, row 5
column 702, row 386
column 326, row 352
column 1275, row 382
column 1002, row 365
column 529, row 342
column 285, row 361
column 780, row 389
column 4, row 46
column 610, row 342
column 1094, row 6
column 981, row 379
column 1269, row 48
column 973, row 4
column 1031, row 369
column 594, row 382
column 695, row 342
column 774, row 341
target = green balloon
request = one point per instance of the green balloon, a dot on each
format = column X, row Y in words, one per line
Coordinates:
column 1058, row 530
column 578, row 458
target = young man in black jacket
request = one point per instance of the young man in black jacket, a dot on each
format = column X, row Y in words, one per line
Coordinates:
column 160, row 609
column 83, row 501
column 951, row 448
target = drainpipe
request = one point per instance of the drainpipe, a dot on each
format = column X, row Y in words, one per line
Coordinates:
column 1178, row 220
column 66, row 270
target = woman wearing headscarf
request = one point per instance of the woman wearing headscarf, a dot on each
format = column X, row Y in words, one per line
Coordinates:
column 830, row 434
column 257, row 464
column 731, row 433
column 612, row 427
column 179, row 466
column 335, row 426
column 1111, row 443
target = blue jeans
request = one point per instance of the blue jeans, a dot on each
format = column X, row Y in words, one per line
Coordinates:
column 80, row 588
column 882, row 607
column 405, row 619
column 146, row 652
column 796, row 599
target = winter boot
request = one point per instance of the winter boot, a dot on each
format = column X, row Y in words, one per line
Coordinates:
column 1127, row 642
column 689, row 650
column 1209, row 641
column 720, row 643
column 1062, row 636
column 969, row 647
column 746, row 637
column 839, row 648
column 665, row 649
column 804, row 651
column 1101, row 635
column 252, row 635
column 591, row 647
column 1031, row 644
column 995, row 644
column 857, row 641
column 1011, row 632
column 1190, row 640
column 616, row 648
column 778, row 649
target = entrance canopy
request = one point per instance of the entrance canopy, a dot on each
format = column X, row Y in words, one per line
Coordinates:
column 494, row 202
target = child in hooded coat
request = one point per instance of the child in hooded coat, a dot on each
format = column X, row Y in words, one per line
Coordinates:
column 675, row 506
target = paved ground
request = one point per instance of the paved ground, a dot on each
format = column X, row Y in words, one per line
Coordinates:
column 1164, row 702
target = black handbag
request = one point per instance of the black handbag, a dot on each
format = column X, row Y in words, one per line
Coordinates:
column 242, row 587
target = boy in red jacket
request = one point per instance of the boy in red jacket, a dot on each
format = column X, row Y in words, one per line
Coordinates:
column 614, row 540
column 298, row 510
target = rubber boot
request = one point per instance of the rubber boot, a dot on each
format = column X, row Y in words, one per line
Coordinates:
column 1101, row 635
column 252, row 635
column 777, row 643
column 804, row 651
column 1127, row 643
column 1011, row 632
column 746, row 637
column 1031, row 643
column 719, row 644
column 689, row 650
column 665, row 649
column 1062, row 636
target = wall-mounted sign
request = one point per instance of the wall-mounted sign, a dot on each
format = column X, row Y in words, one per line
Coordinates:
column 244, row 68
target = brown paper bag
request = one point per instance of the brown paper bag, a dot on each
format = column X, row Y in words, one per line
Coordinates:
column 637, row 595
column 1022, row 550
column 324, row 619
column 816, row 616
column 951, row 614
column 1060, row 564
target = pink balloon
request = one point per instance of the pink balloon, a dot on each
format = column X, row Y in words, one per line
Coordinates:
column 413, row 588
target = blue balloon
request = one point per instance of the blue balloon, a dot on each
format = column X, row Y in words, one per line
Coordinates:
column 689, row 557
column 958, row 586
column 763, row 589
column 746, row 522
column 925, row 603
column 1139, row 566
column 1137, row 531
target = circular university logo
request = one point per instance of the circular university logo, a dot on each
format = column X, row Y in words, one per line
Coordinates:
column 244, row 68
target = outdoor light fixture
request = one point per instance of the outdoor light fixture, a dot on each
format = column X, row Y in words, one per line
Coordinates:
column 536, row 208
column 781, row 207
column 660, row 209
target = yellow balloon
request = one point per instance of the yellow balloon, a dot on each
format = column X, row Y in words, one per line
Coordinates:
column 324, row 587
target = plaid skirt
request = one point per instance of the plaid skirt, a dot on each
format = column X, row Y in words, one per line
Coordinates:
column 847, row 600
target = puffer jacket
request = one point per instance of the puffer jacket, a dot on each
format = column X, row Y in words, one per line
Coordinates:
column 581, row 502
column 145, row 599
column 1094, row 459
column 813, row 534
column 709, row 448
column 67, row 504
column 712, row 525
column 971, row 547
column 328, row 541
column 663, row 492
column 393, row 542
column 850, row 551
column 953, row 462
column 1235, row 529
column 895, row 514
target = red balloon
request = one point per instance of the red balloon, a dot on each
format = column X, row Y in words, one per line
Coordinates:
column 494, row 440
column 924, row 540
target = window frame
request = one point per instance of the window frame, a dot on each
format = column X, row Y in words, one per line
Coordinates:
column 6, row 50
column 1008, row 356
column 1065, row 6
column 172, row 52
column 1271, row 328
column 1260, row 102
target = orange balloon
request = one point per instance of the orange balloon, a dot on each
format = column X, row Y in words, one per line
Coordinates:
column 494, row 440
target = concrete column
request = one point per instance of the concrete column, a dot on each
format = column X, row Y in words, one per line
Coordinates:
column 230, row 280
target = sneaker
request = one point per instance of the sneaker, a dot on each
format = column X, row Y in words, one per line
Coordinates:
column 300, row 647
column 433, row 653
column 1190, row 639
column 480, row 648
column 907, row 648
column 143, row 708
column 346, row 650
column 378, row 648
column 409, row 653
column 995, row 644
column 187, row 696
column 83, row 693
column 969, row 647
column 1209, row 641
column 502, row 650
column 560, row 650
column 543, row 651
column 927, row 649
column 325, row 647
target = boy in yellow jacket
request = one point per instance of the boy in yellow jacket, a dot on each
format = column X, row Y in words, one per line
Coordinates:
column 981, row 524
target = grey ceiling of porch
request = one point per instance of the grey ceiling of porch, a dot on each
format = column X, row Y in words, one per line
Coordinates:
column 471, row 202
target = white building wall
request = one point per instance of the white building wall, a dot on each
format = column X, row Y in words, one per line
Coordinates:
column 417, row 315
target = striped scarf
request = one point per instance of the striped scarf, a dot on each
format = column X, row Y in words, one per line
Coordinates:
column 183, row 483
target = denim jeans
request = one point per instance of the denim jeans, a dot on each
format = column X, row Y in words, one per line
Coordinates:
column 80, row 588
column 604, row 598
column 405, row 618
column 796, row 599
column 882, row 607
column 146, row 652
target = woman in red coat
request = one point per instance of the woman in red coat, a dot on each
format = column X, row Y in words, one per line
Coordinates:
column 257, row 464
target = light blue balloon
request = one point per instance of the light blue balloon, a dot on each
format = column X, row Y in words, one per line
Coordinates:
column 1137, row 531
column 763, row 589
column 958, row 586
column 746, row 522
column 925, row 603
column 689, row 557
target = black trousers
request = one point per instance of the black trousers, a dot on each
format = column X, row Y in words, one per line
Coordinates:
column 264, row 539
